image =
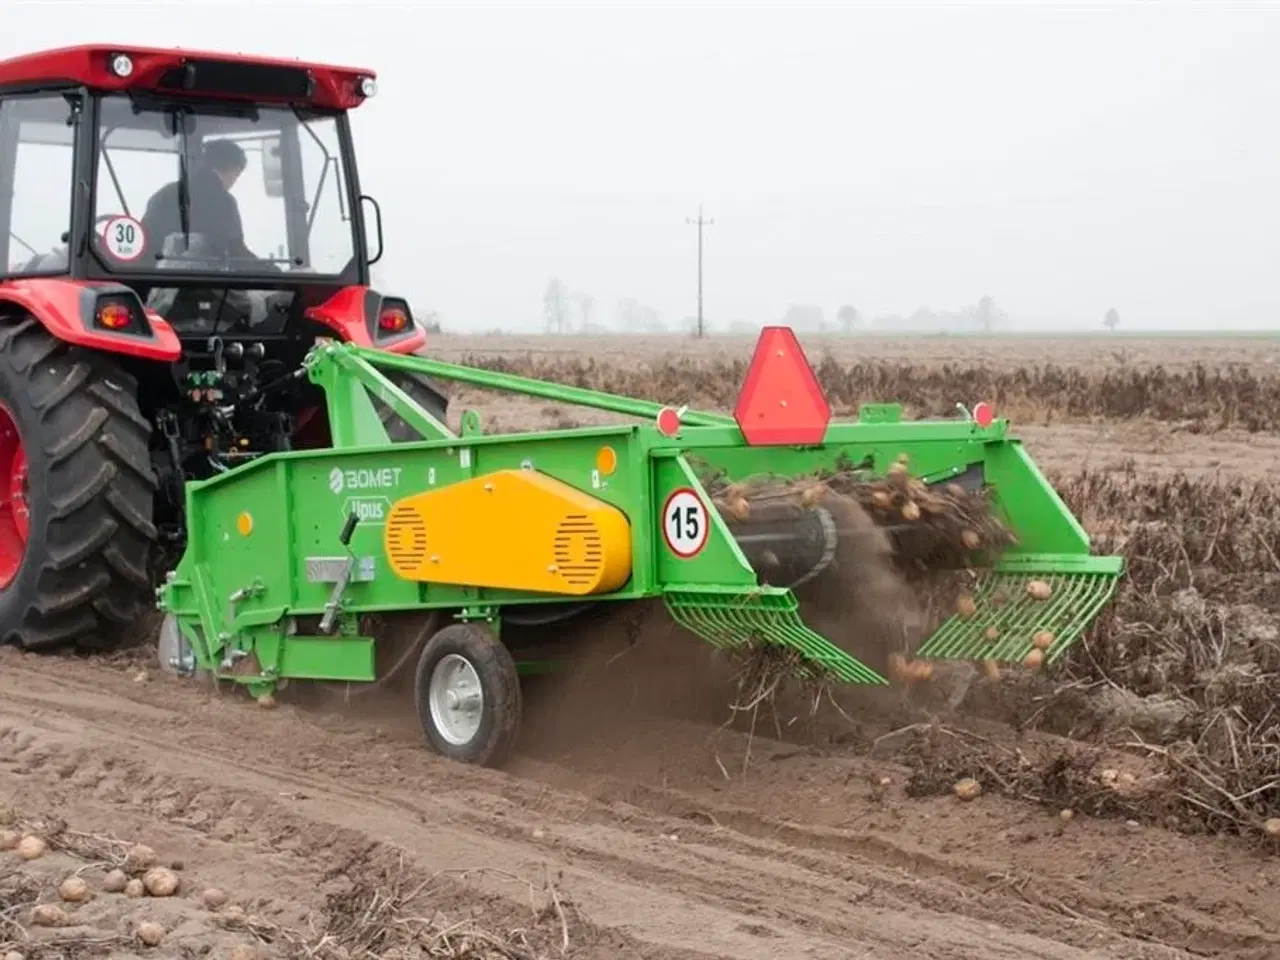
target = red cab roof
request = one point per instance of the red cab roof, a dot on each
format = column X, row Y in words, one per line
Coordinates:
column 90, row 64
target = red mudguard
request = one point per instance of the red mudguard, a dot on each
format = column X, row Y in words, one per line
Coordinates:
column 67, row 309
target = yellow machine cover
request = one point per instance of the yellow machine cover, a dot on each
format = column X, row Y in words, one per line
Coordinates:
column 513, row 530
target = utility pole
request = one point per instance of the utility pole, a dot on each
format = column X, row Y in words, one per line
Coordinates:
column 700, row 223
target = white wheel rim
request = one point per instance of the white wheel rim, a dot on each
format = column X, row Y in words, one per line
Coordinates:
column 456, row 699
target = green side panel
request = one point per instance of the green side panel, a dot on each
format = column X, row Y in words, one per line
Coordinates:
column 682, row 519
column 732, row 620
column 1029, row 505
column 1081, row 587
column 299, row 502
column 328, row 658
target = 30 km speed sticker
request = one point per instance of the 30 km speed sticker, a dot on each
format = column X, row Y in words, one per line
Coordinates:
column 684, row 523
column 124, row 238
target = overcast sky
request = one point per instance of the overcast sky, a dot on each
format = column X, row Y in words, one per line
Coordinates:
column 1063, row 159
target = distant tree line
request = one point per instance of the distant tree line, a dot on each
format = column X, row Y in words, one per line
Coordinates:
column 566, row 311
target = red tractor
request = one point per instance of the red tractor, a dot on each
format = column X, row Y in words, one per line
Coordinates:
column 179, row 228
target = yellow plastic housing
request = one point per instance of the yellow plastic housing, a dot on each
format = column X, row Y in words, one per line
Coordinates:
column 510, row 530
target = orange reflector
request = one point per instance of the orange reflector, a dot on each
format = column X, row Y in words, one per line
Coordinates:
column 244, row 523
column 114, row 316
column 606, row 461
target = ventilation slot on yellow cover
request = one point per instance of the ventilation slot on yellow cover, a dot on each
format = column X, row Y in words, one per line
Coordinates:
column 579, row 550
column 406, row 537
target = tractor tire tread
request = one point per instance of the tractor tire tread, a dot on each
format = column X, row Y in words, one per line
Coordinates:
column 83, row 430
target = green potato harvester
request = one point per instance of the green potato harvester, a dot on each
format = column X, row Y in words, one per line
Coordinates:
column 294, row 558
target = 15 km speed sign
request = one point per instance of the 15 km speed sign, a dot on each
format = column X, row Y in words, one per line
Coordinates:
column 685, row 526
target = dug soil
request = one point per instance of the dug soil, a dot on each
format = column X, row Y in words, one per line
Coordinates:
column 631, row 824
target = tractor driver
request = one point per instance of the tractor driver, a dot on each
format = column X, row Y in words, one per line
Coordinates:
column 213, row 211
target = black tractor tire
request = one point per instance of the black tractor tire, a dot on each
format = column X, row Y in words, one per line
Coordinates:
column 426, row 393
column 501, row 703
column 85, row 573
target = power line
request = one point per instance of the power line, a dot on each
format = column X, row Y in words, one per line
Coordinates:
column 700, row 224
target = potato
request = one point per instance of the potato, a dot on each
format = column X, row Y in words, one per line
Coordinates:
column 1039, row 589
column 1272, row 827
column 267, row 702
column 47, row 915
column 882, row 498
column 910, row 511
column 968, row 789
column 811, row 495
column 1034, row 659
column 897, row 666
column 150, row 933
column 9, row 839
column 1042, row 640
column 161, row 882
column 922, row 670
column 213, row 898
column 992, row 669
column 1067, row 815
column 134, row 888
column 114, row 881
column 738, row 508
column 73, row 890
column 31, row 847
column 140, row 857
column 14, row 955
column 992, row 633
column 955, row 490
column 965, row 605
column 971, row 539
column 242, row 952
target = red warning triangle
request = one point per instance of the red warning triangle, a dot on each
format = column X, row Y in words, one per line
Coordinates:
column 781, row 402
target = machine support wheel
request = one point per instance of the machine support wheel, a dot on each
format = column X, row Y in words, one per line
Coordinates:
column 76, row 493
column 467, row 694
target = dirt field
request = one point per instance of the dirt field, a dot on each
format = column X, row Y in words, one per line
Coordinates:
column 635, row 824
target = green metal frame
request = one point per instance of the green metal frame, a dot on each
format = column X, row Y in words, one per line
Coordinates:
column 239, row 594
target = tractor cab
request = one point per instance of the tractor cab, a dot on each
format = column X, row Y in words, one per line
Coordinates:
column 222, row 190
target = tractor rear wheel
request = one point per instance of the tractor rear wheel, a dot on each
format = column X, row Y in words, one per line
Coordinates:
column 76, row 493
column 468, row 697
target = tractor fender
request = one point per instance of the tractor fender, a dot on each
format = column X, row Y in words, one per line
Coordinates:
column 353, row 312
column 66, row 308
